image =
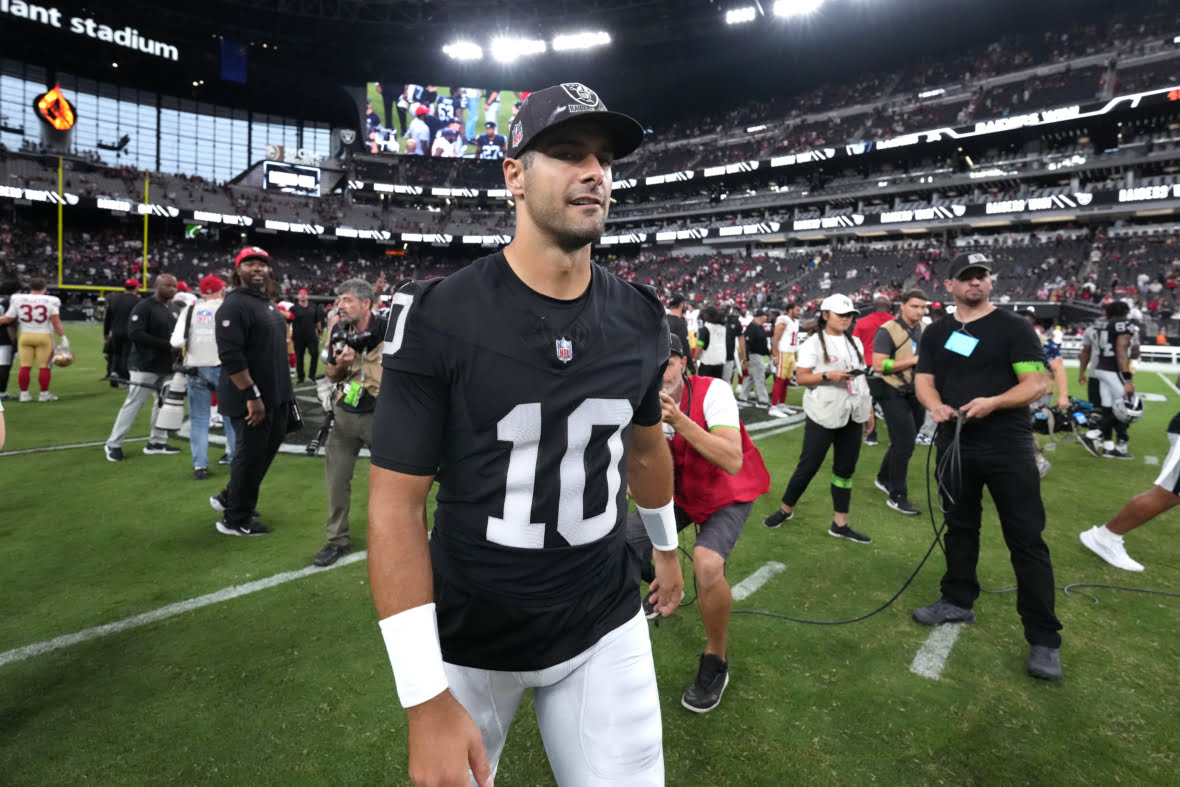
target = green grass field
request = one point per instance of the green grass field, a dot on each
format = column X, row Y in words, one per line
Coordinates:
column 291, row 685
column 507, row 99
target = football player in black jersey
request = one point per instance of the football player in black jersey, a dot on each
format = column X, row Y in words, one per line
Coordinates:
column 1115, row 380
column 528, row 386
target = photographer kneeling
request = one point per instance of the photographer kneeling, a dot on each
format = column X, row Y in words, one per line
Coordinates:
column 354, row 366
column 718, row 476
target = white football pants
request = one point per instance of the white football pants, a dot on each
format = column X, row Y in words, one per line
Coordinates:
column 599, row 712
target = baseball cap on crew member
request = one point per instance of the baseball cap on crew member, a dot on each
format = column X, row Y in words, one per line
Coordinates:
column 132, row 283
column 490, row 124
column 211, row 284
column 422, row 110
column 965, row 262
column 553, row 106
column 449, row 133
column 303, row 292
column 251, row 252
column 675, row 347
column 838, row 303
column 183, row 286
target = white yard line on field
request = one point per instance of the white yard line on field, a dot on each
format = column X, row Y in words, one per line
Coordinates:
column 225, row 594
column 934, row 652
column 64, row 447
column 1169, row 383
column 744, row 589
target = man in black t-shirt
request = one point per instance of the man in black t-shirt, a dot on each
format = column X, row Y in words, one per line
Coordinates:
column 528, row 385
column 115, row 320
column 756, row 352
column 733, row 331
column 978, row 370
column 678, row 326
column 305, row 331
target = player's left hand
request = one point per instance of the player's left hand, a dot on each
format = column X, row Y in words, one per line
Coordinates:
column 980, row 407
column 667, row 589
column 1063, row 402
column 1128, row 388
column 671, row 410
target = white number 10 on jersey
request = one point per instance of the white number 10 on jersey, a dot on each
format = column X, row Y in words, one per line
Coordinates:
column 522, row 428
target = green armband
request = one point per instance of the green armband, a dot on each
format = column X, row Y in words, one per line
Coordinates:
column 1024, row 367
column 887, row 366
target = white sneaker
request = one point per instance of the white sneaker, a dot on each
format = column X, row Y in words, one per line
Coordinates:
column 215, row 421
column 25, row 396
column 1109, row 547
column 45, row 396
column 777, row 412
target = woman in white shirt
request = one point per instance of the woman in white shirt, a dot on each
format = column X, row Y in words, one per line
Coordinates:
column 839, row 410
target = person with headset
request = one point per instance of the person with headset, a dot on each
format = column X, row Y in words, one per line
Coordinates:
column 838, row 410
column 718, row 476
column 978, row 370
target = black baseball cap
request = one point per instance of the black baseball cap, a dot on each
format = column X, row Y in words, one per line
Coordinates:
column 553, row 106
column 675, row 346
column 965, row 262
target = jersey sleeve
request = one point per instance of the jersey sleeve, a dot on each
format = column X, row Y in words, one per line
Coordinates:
column 721, row 410
column 410, row 339
column 1025, row 351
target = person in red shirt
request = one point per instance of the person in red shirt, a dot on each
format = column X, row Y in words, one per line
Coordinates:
column 719, row 474
column 866, row 330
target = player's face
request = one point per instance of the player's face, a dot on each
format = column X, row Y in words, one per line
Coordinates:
column 567, row 188
column 302, row 299
column 254, row 272
column 972, row 288
column 674, row 376
column 913, row 310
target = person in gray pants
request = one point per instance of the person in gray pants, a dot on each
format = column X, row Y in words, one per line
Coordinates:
column 354, row 366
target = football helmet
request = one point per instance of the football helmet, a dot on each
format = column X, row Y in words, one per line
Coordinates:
column 1128, row 409
column 62, row 357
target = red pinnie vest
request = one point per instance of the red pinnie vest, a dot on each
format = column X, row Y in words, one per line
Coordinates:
column 702, row 488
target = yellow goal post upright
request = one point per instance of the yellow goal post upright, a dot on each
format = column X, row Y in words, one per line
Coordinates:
column 61, row 285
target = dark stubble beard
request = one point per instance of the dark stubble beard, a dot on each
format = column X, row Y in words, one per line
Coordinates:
column 551, row 218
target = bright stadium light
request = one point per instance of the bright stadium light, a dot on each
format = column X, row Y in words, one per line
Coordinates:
column 790, row 8
column 508, row 50
column 463, row 50
column 737, row 16
column 566, row 43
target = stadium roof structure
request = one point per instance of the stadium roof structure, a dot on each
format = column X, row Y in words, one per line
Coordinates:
column 667, row 58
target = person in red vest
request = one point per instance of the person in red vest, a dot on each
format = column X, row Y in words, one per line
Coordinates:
column 719, row 475
column 866, row 330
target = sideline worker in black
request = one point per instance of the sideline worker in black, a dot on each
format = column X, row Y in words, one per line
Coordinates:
column 116, row 321
column 305, row 333
column 895, row 354
column 985, row 366
column 255, row 387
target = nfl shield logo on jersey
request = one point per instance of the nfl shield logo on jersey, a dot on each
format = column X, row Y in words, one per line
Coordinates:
column 517, row 133
column 565, row 350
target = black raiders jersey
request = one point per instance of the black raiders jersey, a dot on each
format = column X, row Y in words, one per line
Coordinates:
column 1108, row 335
column 522, row 406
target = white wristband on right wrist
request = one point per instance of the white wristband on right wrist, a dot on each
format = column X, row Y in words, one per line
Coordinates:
column 660, row 524
column 411, row 640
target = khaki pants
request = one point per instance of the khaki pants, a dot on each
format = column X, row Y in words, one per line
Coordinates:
column 350, row 433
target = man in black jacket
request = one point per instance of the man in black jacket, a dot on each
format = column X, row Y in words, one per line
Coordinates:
column 255, row 389
column 149, row 333
column 116, row 318
column 305, row 332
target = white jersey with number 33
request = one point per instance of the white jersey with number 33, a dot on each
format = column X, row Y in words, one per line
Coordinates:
column 34, row 311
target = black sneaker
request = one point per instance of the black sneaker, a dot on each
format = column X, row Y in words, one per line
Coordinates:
column 1044, row 662
column 251, row 528
column 113, row 454
column 224, row 460
column 943, row 611
column 877, row 482
column 200, row 473
column 777, row 518
column 160, row 448
column 844, row 531
column 902, row 505
column 871, row 440
column 1091, row 444
column 1118, row 452
column 705, row 692
column 219, row 501
column 328, row 555
column 649, row 607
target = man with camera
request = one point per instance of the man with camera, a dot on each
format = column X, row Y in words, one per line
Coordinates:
column 354, row 367
column 718, row 476
column 150, row 362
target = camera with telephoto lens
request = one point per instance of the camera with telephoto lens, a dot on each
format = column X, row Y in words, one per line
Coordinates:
column 344, row 336
column 171, row 414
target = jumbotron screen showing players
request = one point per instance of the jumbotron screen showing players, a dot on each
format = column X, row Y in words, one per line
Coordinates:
column 429, row 120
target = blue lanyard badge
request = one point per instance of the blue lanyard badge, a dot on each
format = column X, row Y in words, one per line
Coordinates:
column 961, row 343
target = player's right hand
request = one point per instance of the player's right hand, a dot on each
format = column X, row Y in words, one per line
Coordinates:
column 445, row 744
column 943, row 413
column 667, row 589
column 839, row 376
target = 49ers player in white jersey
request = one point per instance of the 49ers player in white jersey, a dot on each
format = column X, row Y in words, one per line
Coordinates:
column 38, row 315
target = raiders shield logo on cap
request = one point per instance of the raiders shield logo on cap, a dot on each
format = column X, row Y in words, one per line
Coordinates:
column 565, row 350
column 580, row 93
column 347, row 136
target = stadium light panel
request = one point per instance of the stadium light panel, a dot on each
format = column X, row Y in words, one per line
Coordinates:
column 565, row 43
column 792, row 8
column 738, row 16
column 508, row 50
column 463, row 50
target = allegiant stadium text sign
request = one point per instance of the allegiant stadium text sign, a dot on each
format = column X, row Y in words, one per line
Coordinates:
column 127, row 37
